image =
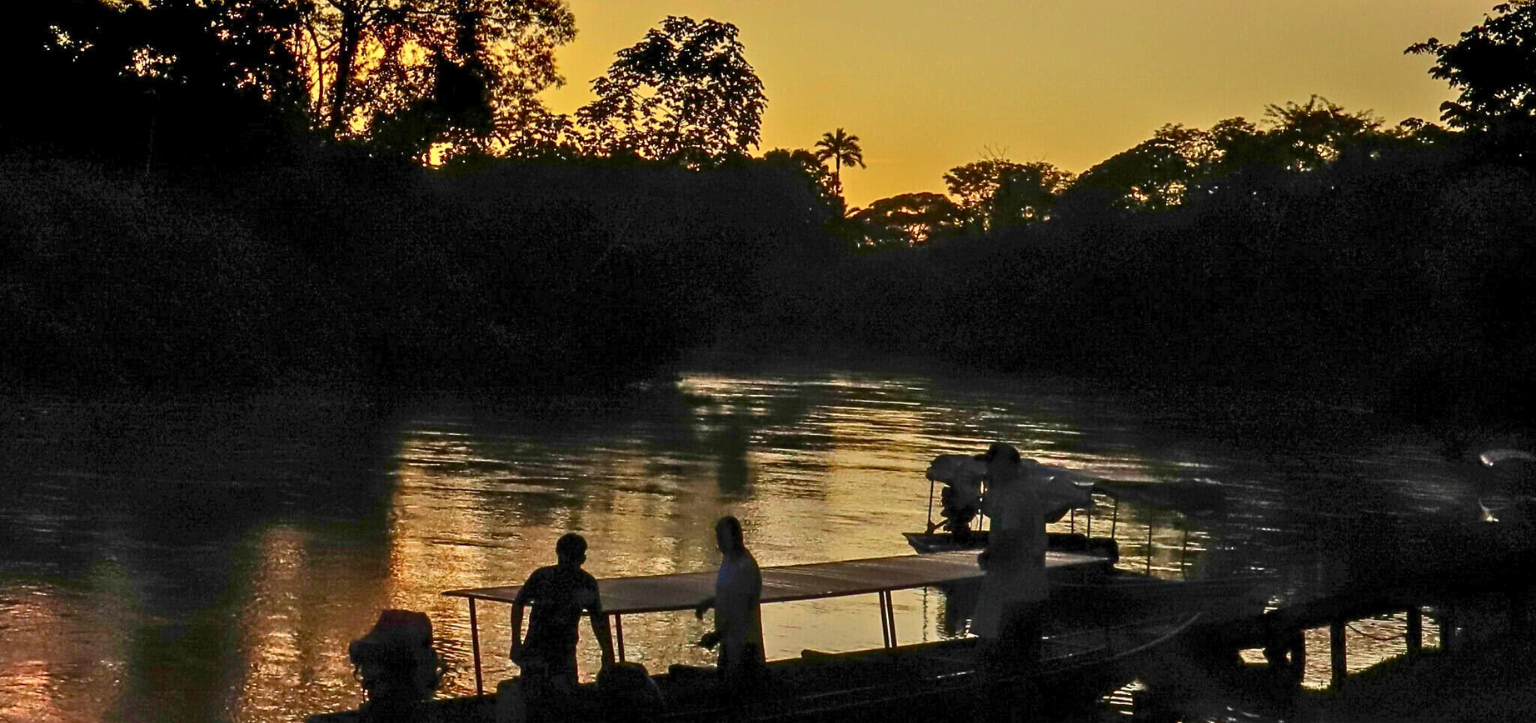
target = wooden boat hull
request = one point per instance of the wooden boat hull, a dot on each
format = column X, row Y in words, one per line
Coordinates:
column 931, row 542
column 1121, row 594
column 930, row 681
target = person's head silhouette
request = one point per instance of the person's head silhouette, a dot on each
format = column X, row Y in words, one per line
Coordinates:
column 728, row 535
column 571, row 549
column 1000, row 452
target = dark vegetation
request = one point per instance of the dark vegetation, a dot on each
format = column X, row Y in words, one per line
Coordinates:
column 178, row 212
column 215, row 193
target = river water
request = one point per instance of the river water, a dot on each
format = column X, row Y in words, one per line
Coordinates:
column 209, row 560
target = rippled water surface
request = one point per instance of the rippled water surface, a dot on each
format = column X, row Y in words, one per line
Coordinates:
column 205, row 560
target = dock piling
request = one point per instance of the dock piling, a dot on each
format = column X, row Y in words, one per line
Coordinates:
column 1337, row 653
column 1415, row 634
column 1149, row 548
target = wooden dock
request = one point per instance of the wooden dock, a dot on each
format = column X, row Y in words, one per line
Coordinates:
column 1441, row 594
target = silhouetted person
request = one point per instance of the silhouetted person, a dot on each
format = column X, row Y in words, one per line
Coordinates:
column 960, row 499
column 738, row 606
column 398, row 666
column 1009, row 612
column 559, row 595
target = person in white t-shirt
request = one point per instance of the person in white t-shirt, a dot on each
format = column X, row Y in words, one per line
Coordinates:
column 1011, row 607
column 738, row 605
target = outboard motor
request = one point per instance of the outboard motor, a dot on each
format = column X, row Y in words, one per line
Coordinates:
column 960, row 500
column 398, row 667
column 628, row 694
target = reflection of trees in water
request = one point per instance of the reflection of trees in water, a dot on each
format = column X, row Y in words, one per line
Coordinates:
column 156, row 521
column 730, row 443
column 183, row 476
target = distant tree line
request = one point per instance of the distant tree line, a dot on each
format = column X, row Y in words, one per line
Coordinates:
column 1316, row 250
column 1158, row 174
column 203, row 193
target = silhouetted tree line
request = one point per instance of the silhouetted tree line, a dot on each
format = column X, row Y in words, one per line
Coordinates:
column 357, row 270
column 1315, row 250
column 206, row 193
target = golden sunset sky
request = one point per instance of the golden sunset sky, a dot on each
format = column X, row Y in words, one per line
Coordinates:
column 929, row 85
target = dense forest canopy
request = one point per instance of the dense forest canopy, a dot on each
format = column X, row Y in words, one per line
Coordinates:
column 213, row 193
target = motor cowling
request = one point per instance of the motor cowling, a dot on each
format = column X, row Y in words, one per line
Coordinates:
column 397, row 665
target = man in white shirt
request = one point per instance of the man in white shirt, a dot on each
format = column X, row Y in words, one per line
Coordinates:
column 1011, row 606
column 738, row 606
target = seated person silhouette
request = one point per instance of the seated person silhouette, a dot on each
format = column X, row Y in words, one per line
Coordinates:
column 559, row 595
column 738, row 607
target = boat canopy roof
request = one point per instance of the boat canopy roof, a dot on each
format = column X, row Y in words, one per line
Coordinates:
column 682, row 591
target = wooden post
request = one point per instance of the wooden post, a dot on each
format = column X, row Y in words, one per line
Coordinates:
column 1415, row 630
column 1337, row 653
column 474, row 641
column 1149, row 548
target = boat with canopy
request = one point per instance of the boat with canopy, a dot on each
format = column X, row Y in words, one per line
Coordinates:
column 1079, row 657
column 962, row 523
column 879, row 576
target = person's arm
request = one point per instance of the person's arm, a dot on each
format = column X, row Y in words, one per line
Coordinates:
column 604, row 637
column 1037, row 540
column 518, row 603
column 711, row 638
column 600, row 627
column 755, row 591
column 517, row 628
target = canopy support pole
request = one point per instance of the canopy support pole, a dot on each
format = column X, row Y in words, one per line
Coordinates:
column 1114, row 519
column 474, row 641
column 887, row 619
column 885, row 622
column 930, row 527
column 618, row 629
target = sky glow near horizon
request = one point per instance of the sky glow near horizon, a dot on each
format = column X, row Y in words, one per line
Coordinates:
column 928, row 86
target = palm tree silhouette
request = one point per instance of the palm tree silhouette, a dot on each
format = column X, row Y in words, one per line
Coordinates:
column 843, row 150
